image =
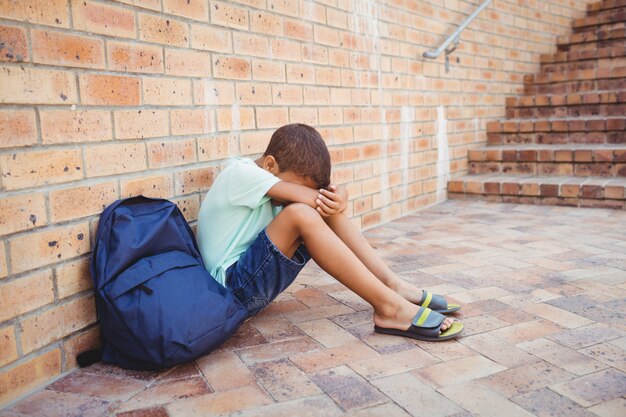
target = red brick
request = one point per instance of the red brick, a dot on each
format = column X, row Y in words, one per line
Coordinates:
column 81, row 342
column 616, row 124
column 253, row 142
column 76, row 202
column 171, row 152
column 189, row 206
column 583, row 155
column 32, row 169
column 570, row 190
column 250, row 94
column 249, row 44
column 211, row 38
column 210, row 92
column 510, row 188
column 73, row 277
column 36, row 86
column 231, row 68
column 235, row 118
column 328, row 76
column 37, row 249
column 29, row 374
column 115, row 159
column 615, row 192
column 8, row 345
column 326, row 36
column 316, row 95
column 17, row 128
column 315, row 54
column 330, row 116
column 163, row 30
column 300, row 74
column 156, row 186
column 267, row 70
column 271, row 117
column 286, row 7
column 306, row 115
column 109, row 90
column 224, row 14
column 193, row 9
column 106, row 19
column 22, row 212
column 133, row 124
column 265, row 23
column 194, row 180
column 66, row 126
column 26, row 294
column 167, row 91
column 298, row 29
column 13, row 44
column 131, row 57
column 187, row 63
column 52, row 13
column 284, row 49
column 52, row 325
column 190, row 122
column 57, row 48
column 218, row 147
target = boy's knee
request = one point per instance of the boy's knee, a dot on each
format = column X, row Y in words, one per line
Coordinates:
column 300, row 213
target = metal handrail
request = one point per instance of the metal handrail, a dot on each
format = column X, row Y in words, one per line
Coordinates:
column 454, row 38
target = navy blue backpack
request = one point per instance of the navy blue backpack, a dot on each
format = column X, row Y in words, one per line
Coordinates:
column 156, row 303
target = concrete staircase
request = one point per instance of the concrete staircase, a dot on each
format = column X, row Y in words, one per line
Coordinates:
column 564, row 141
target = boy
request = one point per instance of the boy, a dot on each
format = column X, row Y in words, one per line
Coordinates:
column 262, row 220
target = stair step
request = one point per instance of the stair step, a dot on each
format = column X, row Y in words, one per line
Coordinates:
column 557, row 131
column 607, row 16
column 593, row 45
column 584, row 65
column 567, row 106
column 548, row 190
column 610, row 97
column 592, row 36
column 580, row 75
column 571, row 159
column 600, row 53
column 605, row 5
column 578, row 86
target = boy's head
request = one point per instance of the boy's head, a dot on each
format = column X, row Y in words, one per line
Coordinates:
column 300, row 149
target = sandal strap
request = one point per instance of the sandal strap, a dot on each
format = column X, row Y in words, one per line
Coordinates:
column 427, row 297
column 427, row 318
column 432, row 301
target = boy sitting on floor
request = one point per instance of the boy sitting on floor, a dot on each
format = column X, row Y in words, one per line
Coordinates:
column 262, row 220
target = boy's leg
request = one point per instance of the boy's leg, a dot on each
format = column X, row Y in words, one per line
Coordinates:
column 354, row 239
column 300, row 223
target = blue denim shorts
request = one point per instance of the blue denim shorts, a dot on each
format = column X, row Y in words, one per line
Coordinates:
column 263, row 272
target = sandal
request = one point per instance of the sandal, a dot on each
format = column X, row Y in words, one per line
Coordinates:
column 437, row 303
column 426, row 325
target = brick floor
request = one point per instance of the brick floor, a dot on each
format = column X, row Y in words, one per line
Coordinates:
column 543, row 292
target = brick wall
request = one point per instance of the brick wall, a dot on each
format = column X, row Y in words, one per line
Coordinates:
column 108, row 99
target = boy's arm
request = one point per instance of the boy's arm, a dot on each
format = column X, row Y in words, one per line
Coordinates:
column 326, row 202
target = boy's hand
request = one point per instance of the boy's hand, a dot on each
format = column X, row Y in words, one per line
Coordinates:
column 332, row 200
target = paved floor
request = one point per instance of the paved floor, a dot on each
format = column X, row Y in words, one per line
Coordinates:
column 544, row 305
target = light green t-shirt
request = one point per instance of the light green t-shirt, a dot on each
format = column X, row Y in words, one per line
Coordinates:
column 233, row 213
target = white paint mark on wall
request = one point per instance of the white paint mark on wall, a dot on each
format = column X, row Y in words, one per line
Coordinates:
column 406, row 120
column 443, row 154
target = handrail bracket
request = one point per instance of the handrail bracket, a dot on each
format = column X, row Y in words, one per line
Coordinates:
column 454, row 39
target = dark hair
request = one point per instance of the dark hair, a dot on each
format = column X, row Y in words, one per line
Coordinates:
column 301, row 149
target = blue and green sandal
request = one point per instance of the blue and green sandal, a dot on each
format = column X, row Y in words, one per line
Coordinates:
column 437, row 303
column 426, row 325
